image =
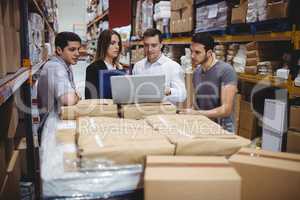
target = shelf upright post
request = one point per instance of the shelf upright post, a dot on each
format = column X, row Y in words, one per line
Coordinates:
column 31, row 154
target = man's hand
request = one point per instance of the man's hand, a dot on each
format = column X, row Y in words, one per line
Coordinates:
column 167, row 91
column 189, row 111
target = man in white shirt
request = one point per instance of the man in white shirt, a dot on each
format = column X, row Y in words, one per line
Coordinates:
column 156, row 63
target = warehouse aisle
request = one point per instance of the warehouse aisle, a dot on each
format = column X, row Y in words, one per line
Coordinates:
column 79, row 76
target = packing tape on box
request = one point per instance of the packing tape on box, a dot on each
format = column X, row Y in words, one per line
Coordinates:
column 259, row 155
column 215, row 165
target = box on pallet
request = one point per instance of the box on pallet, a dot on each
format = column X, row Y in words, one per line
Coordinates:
column 193, row 178
column 267, row 175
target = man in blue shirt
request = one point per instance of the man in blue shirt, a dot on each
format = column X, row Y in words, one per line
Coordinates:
column 56, row 85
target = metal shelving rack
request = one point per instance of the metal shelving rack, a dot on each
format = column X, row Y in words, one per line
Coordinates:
column 22, row 80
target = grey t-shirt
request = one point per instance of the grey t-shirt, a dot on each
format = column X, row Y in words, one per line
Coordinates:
column 56, row 79
column 208, row 86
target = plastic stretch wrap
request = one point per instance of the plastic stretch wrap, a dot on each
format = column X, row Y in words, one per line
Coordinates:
column 95, row 179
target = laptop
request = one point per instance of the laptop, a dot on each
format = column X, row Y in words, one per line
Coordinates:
column 138, row 88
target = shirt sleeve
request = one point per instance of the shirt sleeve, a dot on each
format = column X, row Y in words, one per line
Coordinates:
column 59, row 81
column 229, row 76
column 177, row 85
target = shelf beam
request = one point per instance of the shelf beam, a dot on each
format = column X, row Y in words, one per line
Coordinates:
column 43, row 15
column 98, row 18
column 12, row 82
column 273, row 36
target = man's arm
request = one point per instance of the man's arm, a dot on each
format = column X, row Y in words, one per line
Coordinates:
column 69, row 99
column 227, row 98
column 177, row 90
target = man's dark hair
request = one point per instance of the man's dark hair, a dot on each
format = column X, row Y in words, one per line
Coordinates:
column 151, row 32
column 205, row 39
column 62, row 39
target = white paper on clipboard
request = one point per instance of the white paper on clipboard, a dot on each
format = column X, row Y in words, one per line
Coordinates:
column 212, row 11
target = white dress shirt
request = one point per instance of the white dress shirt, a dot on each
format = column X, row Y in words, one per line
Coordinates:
column 172, row 71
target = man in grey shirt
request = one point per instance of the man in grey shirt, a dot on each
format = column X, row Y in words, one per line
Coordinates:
column 56, row 83
column 215, row 83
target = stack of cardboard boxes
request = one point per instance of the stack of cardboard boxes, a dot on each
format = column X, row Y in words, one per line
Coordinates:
column 262, row 51
column 9, row 157
column 212, row 17
column 293, row 137
column 181, row 16
column 10, row 44
column 277, row 9
column 265, row 10
column 238, row 14
column 248, row 174
column 248, row 122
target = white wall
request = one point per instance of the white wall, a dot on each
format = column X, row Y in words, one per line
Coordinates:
column 72, row 16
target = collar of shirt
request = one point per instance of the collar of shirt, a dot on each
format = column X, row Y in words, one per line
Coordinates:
column 161, row 60
column 109, row 66
column 61, row 61
column 214, row 62
column 67, row 67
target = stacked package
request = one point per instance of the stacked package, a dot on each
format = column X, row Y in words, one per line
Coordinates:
column 231, row 53
column 121, row 141
column 147, row 14
column 258, row 52
column 35, row 29
column 181, row 16
column 162, row 14
column 128, row 141
column 212, row 17
column 10, row 50
column 196, row 135
column 257, row 10
column 239, row 61
column 186, row 60
column 220, row 52
column 137, row 55
column 94, row 107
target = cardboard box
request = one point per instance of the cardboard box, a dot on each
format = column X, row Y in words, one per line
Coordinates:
column 239, row 14
column 8, row 13
column 251, row 70
column 10, row 45
column 277, row 9
column 181, row 16
column 1, row 15
column 248, row 122
column 267, row 175
column 237, row 110
column 65, row 136
column 122, row 141
column 2, row 163
column 3, row 56
column 11, row 187
column 140, row 111
column 193, row 178
column 101, row 107
column 295, row 118
column 23, row 156
column 123, row 152
column 17, row 50
column 16, row 13
column 293, row 142
column 196, row 135
column 252, row 61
